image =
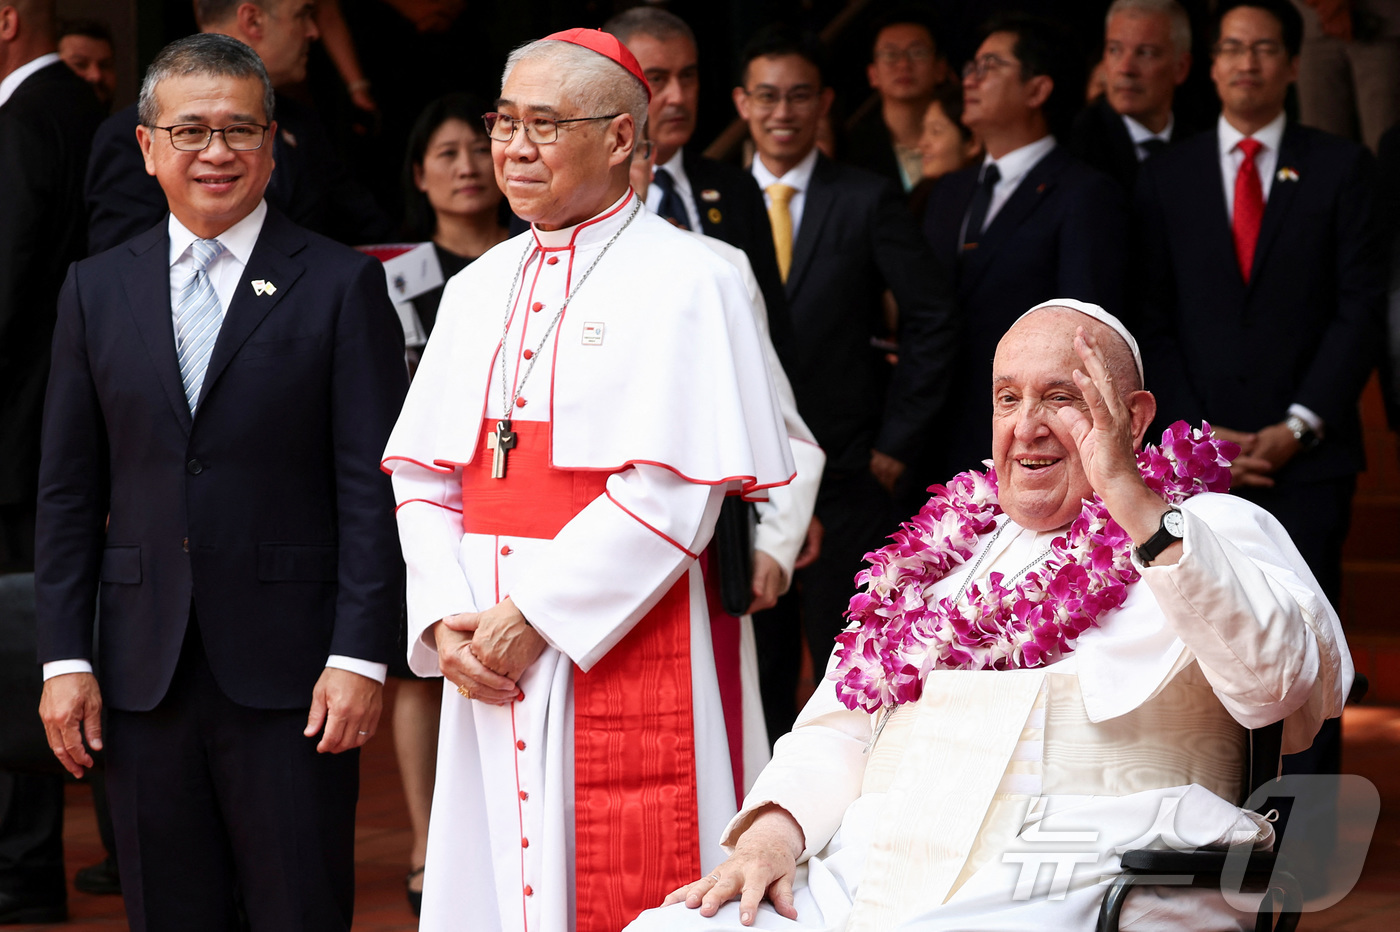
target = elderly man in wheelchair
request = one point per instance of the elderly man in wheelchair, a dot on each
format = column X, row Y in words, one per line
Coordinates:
column 1055, row 662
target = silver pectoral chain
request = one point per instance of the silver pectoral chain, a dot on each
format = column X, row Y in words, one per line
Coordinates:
column 972, row 574
column 507, row 405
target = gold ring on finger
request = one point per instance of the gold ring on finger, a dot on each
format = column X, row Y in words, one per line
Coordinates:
column 463, row 691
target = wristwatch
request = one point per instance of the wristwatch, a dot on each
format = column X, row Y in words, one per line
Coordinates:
column 1172, row 529
column 1307, row 437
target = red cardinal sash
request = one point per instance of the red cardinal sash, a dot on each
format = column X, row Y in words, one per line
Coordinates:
column 636, row 822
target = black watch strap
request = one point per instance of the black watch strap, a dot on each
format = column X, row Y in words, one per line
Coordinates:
column 1169, row 532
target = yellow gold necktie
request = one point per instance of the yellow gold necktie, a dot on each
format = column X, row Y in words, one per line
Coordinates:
column 780, row 195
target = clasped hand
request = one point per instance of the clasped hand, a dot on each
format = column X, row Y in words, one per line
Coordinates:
column 486, row 653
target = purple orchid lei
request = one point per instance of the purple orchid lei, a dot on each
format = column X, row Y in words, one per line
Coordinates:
column 896, row 636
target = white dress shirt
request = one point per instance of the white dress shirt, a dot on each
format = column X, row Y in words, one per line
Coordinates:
column 225, row 273
column 1271, row 136
column 15, row 78
column 1140, row 134
column 1014, row 166
column 676, row 168
column 1266, row 162
column 799, row 177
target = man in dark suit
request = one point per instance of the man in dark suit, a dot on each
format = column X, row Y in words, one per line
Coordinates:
column 1263, row 288
column 842, row 237
column 1028, row 224
column 1146, row 56
column 212, row 479
column 698, row 193
column 906, row 66
column 311, row 185
column 47, row 118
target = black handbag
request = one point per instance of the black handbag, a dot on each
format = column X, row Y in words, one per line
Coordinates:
column 734, row 554
column 23, row 745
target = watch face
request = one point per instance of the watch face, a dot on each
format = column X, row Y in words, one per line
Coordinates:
column 1174, row 523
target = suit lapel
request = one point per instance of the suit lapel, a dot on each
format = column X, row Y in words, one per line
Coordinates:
column 272, row 261
column 1212, row 220
column 1281, row 196
column 147, row 286
column 820, row 195
column 1121, row 142
column 1029, row 195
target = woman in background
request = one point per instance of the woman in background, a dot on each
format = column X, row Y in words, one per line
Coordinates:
column 450, row 198
column 945, row 145
column 450, row 193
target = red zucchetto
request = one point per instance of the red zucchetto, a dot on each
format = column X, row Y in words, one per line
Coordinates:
column 605, row 44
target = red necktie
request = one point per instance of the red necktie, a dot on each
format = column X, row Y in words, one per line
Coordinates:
column 1249, row 206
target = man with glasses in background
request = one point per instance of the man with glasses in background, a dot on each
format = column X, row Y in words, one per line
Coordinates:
column 905, row 67
column 1263, row 289
column 843, row 236
column 222, row 386
column 1031, row 220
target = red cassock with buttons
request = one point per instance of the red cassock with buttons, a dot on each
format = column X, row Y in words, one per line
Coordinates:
column 636, row 402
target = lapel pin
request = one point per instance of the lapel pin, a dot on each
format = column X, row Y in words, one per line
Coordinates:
column 263, row 287
column 709, row 195
column 1286, row 174
column 714, row 215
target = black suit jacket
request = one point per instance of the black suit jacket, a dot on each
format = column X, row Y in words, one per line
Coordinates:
column 1060, row 235
column 46, row 129
column 1307, row 327
column 869, row 145
column 731, row 208
column 1100, row 138
column 266, row 512
column 310, row 184
column 856, row 239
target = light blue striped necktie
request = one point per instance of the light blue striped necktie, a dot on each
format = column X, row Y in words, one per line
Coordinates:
column 198, row 316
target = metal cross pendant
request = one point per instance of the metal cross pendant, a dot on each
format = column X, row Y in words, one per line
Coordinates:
column 500, row 441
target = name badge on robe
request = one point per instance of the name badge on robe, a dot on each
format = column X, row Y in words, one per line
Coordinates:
column 593, row 333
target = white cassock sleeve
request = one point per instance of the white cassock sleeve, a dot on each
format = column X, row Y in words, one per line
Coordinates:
column 1251, row 613
column 816, row 771
column 430, row 535
column 584, row 590
column 784, row 517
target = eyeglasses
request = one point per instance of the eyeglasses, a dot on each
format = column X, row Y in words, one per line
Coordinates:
column 195, row 137
column 916, row 55
column 1262, row 49
column 642, row 150
column 803, row 97
column 981, row 66
column 539, row 130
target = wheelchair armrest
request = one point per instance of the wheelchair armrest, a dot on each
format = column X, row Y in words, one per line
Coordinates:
column 1205, row 866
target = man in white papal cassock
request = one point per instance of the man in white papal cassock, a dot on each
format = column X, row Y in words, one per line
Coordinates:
column 593, row 389
column 924, row 810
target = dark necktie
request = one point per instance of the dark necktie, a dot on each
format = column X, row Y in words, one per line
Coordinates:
column 671, row 207
column 1249, row 206
column 977, row 210
column 1153, row 146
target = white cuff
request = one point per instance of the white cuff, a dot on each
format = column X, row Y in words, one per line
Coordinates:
column 1308, row 416
column 373, row 671
column 59, row 667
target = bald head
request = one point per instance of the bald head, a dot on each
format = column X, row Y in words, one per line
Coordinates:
column 26, row 32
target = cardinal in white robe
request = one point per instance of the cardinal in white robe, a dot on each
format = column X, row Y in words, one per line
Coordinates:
column 1070, row 721
column 592, row 390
